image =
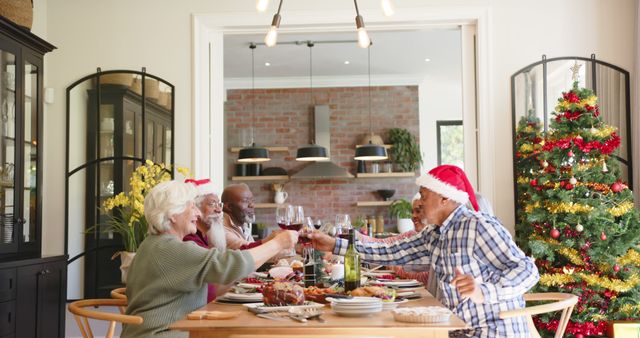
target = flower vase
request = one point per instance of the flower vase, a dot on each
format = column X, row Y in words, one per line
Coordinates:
column 126, row 258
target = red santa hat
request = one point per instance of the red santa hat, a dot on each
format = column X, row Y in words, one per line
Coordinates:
column 450, row 182
column 204, row 186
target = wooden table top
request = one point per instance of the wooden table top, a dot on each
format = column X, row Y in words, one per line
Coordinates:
column 380, row 322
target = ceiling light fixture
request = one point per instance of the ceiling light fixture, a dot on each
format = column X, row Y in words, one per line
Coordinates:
column 253, row 154
column 272, row 35
column 261, row 5
column 267, row 64
column 370, row 152
column 363, row 37
column 387, row 7
column 311, row 152
column 427, row 60
column 347, row 62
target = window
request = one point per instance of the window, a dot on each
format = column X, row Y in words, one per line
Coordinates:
column 450, row 142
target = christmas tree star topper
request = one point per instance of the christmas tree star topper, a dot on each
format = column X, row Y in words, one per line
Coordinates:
column 575, row 69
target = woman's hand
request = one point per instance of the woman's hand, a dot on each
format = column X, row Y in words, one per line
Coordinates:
column 322, row 241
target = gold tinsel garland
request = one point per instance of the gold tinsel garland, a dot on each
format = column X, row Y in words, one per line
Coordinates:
column 559, row 279
column 632, row 257
column 572, row 208
column 523, row 180
column 629, row 308
column 555, row 279
column 562, row 207
column 616, row 285
column 572, row 255
column 569, row 253
column 621, row 209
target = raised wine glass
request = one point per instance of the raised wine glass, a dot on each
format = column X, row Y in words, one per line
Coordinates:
column 343, row 224
column 283, row 218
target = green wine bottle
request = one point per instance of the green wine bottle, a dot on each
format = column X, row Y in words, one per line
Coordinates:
column 351, row 264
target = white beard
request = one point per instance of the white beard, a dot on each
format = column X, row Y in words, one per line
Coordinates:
column 216, row 234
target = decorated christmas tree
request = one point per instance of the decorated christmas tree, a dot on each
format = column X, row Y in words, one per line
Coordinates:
column 528, row 146
column 583, row 227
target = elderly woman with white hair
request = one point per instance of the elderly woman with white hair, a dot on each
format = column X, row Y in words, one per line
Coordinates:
column 168, row 278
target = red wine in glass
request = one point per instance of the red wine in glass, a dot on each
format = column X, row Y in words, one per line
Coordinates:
column 344, row 236
column 317, row 226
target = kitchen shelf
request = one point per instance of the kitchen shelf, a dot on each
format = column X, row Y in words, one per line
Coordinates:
column 272, row 149
column 374, row 203
column 385, row 175
column 260, row 178
column 387, row 146
column 266, row 205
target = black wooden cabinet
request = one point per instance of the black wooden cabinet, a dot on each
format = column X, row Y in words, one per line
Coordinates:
column 32, row 297
column 32, row 288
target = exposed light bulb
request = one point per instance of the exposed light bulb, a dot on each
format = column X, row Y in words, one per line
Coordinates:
column 272, row 37
column 387, row 7
column 347, row 62
column 363, row 38
column 261, row 5
column 267, row 64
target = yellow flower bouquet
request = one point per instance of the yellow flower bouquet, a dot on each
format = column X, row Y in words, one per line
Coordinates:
column 125, row 211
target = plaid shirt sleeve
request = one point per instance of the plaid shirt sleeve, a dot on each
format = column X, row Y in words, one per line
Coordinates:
column 411, row 249
column 516, row 273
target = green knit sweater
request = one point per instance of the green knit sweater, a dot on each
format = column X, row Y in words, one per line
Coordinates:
column 168, row 279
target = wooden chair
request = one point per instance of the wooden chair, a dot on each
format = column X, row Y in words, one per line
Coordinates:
column 82, row 314
column 561, row 302
column 120, row 293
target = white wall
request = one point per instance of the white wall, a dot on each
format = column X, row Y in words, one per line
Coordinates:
column 156, row 34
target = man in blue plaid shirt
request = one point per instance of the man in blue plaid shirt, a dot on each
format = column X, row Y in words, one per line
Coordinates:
column 477, row 270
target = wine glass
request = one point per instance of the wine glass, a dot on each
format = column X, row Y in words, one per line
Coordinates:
column 282, row 216
column 343, row 224
column 283, row 219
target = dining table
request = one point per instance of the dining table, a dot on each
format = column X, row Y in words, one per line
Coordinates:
column 381, row 324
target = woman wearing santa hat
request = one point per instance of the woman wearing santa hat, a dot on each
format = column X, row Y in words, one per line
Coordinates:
column 477, row 270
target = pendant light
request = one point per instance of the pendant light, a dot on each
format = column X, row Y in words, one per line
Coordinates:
column 370, row 152
column 253, row 154
column 363, row 37
column 312, row 152
column 272, row 35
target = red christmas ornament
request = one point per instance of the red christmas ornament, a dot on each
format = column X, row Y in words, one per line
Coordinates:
column 579, row 335
column 533, row 182
column 616, row 268
column 617, row 187
column 570, row 153
column 555, row 233
column 603, row 236
column 568, row 186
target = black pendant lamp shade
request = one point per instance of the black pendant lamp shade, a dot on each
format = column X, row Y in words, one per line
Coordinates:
column 253, row 154
column 311, row 152
column 371, row 152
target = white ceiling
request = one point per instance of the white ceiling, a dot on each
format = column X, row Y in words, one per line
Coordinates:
column 393, row 53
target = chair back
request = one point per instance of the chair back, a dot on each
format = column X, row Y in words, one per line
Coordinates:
column 120, row 293
column 83, row 310
column 560, row 302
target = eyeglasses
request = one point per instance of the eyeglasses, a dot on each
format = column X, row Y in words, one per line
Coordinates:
column 216, row 205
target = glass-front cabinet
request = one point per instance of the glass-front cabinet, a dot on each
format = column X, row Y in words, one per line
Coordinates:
column 117, row 120
column 20, row 156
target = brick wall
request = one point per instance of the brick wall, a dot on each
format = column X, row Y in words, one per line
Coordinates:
column 283, row 118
